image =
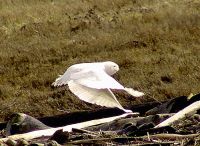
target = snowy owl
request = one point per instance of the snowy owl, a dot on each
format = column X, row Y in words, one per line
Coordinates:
column 92, row 82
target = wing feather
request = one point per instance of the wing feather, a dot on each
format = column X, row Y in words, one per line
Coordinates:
column 103, row 97
column 72, row 72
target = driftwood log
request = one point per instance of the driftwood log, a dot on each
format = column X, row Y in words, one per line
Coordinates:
column 51, row 131
column 151, row 139
column 188, row 111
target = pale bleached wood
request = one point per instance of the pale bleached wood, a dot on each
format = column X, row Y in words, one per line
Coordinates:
column 189, row 110
column 51, row 131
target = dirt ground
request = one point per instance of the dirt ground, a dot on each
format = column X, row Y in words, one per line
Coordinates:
column 156, row 44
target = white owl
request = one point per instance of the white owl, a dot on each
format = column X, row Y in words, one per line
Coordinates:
column 91, row 82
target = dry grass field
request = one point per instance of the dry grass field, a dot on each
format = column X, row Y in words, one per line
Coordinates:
column 155, row 42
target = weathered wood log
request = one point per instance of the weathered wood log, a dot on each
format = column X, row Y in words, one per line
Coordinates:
column 83, row 131
column 75, row 117
column 80, row 116
column 144, row 139
column 51, row 131
column 120, row 124
column 189, row 110
column 87, row 115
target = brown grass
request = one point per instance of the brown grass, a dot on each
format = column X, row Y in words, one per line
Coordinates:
column 156, row 44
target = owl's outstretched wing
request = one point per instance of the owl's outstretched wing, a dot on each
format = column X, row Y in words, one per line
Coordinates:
column 103, row 97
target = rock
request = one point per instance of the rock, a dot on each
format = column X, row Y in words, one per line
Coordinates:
column 60, row 136
column 22, row 123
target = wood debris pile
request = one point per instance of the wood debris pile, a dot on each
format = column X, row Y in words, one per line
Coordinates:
column 175, row 122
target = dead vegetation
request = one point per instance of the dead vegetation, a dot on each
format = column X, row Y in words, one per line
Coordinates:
column 155, row 43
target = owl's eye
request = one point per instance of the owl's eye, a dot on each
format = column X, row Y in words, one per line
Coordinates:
column 115, row 67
